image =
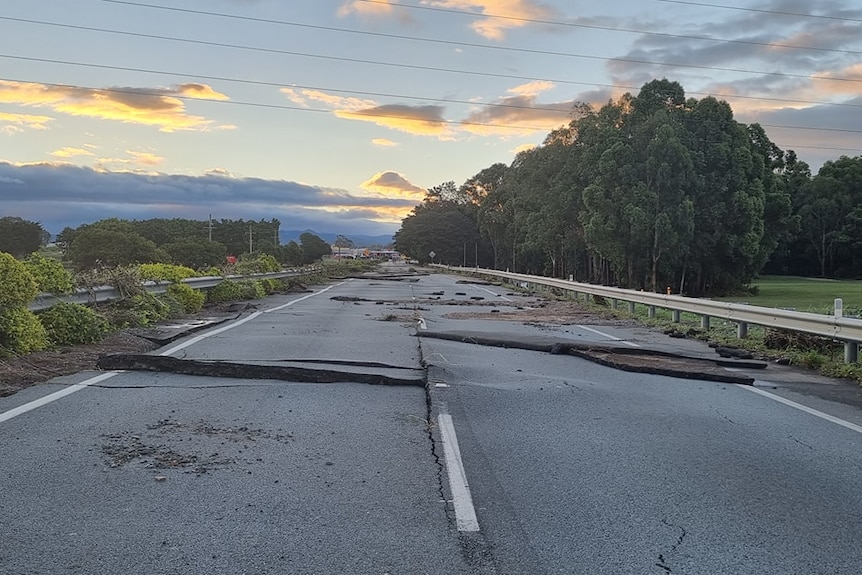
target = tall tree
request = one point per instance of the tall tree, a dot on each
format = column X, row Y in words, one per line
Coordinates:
column 111, row 243
column 313, row 247
column 21, row 237
column 436, row 226
column 343, row 243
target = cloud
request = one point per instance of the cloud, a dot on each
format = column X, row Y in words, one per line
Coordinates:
column 70, row 152
column 374, row 10
column 847, row 81
column 421, row 120
column 522, row 148
column 27, row 120
column 519, row 114
column 303, row 97
column 393, row 184
column 160, row 107
column 145, row 158
column 503, row 15
column 418, row 120
column 500, row 15
column 380, row 8
column 384, row 143
column 60, row 195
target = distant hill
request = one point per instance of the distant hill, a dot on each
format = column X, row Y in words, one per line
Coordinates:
column 359, row 240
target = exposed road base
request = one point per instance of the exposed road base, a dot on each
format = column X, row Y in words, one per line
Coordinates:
column 373, row 375
column 640, row 360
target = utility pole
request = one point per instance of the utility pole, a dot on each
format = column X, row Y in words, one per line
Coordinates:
column 210, row 226
column 249, row 239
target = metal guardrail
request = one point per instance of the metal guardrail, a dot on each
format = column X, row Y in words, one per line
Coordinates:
column 846, row 330
column 105, row 293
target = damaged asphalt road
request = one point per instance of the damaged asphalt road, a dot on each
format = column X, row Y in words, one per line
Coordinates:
column 318, row 432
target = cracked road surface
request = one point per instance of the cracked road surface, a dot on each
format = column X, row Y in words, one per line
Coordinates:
column 317, row 434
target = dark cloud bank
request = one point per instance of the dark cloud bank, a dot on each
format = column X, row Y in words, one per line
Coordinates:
column 62, row 195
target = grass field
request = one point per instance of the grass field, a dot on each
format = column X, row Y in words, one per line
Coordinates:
column 804, row 294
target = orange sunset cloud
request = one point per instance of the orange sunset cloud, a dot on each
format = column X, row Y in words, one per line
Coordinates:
column 161, row 107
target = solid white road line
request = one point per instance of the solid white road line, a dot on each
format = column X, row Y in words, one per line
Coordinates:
column 494, row 294
column 7, row 415
column 239, row 322
column 465, row 514
column 609, row 336
column 805, row 408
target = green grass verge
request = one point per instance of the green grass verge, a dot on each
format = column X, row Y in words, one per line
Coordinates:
column 803, row 294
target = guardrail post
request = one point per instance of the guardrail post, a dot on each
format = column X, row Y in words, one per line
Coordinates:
column 651, row 312
column 704, row 322
column 614, row 303
column 742, row 330
column 851, row 352
column 631, row 307
column 676, row 316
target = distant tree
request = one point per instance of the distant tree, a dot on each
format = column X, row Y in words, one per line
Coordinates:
column 112, row 243
column 438, row 226
column 21, row 237
column 313, row 247
column 196, row 253
column 343, row 242
column 291, row 254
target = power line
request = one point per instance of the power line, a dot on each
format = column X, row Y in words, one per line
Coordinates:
column 368, row 114
column 277, row 84
column 478, row 45
column 335, row 90
column 603, row 28
column 407, row 66
column 386, row 116
column 759, row 11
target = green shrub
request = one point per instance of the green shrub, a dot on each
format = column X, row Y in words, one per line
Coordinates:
column 251, row 289
column 50, row 275
column 212, row 272
column 191, row 299
column 227, row 290
column 272, row 285
column 17, row 285
column 141, row 310
column 71, row 323
column 261, row 263
column 165, row 272
column 21, row 332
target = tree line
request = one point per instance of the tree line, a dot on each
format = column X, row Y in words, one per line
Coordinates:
column 647, row 192
column 195, row 244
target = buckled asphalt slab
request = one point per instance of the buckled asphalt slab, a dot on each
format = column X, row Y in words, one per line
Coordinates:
column 640, row 359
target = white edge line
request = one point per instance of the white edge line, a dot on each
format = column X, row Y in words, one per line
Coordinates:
column 7, row 415
column 805, row 408
column 465, row 513
column 201, row 337
column 609, row 336
column 239, row 322
column 495, row 294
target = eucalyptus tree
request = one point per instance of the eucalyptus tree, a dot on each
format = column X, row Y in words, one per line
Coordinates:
column 21, row 237
column 438, row 229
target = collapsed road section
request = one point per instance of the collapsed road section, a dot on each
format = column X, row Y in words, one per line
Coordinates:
column 640, row 360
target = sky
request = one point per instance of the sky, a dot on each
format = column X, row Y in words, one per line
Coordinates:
column 337, row 115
